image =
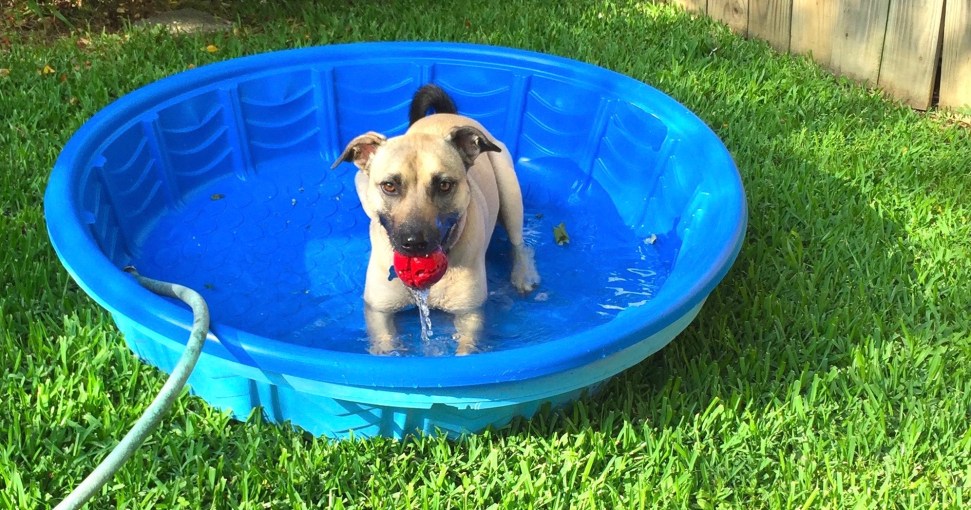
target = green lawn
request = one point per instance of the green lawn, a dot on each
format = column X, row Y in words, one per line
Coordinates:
column 830, row 369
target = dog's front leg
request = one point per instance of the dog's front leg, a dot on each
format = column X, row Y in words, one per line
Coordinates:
column 524, row 275
column 468, row 329
column 381, row 330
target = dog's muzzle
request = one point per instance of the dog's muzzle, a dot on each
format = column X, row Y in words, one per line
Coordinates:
column 417, row 239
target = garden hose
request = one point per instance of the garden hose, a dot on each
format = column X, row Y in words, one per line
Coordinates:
column 166, row 397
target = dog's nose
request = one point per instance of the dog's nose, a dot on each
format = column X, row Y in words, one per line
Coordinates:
column 414, row 244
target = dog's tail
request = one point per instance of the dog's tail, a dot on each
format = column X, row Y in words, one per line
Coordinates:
column 430, row 97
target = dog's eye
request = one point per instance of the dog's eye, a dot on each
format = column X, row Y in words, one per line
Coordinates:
column 389, row 187
column 445, row 186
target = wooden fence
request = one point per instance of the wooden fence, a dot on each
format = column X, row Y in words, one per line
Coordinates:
column 916, row 50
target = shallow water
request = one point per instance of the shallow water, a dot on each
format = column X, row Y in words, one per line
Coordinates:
column 283, row 255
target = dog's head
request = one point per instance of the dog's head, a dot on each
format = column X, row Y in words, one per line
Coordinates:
column 417, row 184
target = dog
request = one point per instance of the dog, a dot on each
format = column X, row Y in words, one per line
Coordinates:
column 441, row 185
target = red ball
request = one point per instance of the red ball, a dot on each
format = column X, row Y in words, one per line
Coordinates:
column 421, row 272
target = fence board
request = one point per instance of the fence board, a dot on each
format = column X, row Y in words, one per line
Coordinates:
column 858, row 43
column 771, row 20
column 733, row 12
column 894, row 44
column 699, row 6
column 910, row 51
column 813, row 26
column 956, row 56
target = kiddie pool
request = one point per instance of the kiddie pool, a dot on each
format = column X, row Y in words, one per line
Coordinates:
column 217, row 178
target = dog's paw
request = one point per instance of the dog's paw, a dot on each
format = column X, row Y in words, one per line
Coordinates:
column 524, row 275
column 465, row 345
column 465, row 350
column 525, row 283
column 384, row 346
column 468, row 330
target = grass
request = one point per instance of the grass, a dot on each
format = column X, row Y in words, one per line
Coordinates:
column 830, row 369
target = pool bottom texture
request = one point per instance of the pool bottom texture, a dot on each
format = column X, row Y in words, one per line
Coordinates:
column 283, row 255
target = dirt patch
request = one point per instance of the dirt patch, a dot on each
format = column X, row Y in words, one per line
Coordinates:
column 49, row 19
column 187, row 21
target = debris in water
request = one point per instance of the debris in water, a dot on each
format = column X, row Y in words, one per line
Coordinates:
column 560, row 235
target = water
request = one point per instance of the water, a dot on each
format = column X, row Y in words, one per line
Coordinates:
column 283, row 255
column 424, row 313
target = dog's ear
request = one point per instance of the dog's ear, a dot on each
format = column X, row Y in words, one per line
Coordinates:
column 360, row 150
column 470, row 142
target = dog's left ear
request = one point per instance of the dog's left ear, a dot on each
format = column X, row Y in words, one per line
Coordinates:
column 360, row 150
column 470, row 142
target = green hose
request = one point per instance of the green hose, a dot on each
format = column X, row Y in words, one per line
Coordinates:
column 170, row 391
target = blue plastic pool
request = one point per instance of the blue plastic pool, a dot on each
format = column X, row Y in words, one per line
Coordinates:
column 218, row 178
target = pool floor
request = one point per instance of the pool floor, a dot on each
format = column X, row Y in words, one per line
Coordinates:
column 283, row 255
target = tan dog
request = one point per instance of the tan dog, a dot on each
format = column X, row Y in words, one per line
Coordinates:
column 442, row 184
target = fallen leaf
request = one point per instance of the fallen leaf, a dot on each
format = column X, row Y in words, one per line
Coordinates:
column 4, row 72
column 560, row 235
column 212, row 48
column 47, row 69
column 217, row 196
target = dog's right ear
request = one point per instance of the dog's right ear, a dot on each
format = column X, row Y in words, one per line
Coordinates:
column 360, row 150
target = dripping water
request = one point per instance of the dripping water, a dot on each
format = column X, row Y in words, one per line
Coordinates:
column 421, row 299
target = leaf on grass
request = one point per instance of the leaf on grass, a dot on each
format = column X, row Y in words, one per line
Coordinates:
column 47, row 69
column 4, row 72
column 560, row 235
column 212, row 48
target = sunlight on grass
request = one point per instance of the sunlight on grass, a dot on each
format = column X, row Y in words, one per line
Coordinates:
column 829, row 370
